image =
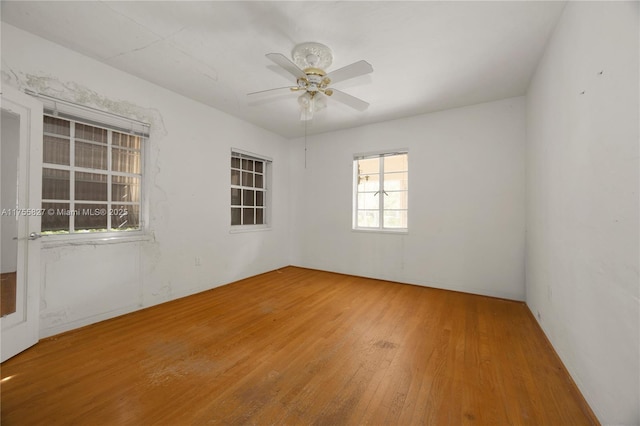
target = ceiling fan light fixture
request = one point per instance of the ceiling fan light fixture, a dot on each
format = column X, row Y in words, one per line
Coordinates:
column 307, row 106
column 309, row 63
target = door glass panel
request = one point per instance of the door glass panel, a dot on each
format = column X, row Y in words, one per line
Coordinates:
column 55, row 218
column 55, row 150
column 91, row 156
column 55, row 184
column 90, row 217
column 91, row 186
column 125, row 189
column 124, row 160
column 9, row 225
column 125, row 217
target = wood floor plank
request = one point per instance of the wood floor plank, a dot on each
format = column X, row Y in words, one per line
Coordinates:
column 299, row 346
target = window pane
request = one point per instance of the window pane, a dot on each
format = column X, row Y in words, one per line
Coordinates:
column 259, row 181
column 90, row 217
column 247, row 179
column 247, row 216
column 55, row 217
column 236, row 216
column 55, row 184
column 55, row 150
column 395, row 219
column 91, row 156
column 368, row 219
column 126, row 141
column 368, row 166
column 368, row 201
column 396, row 181
column 247, row 164
column 381, row 206
column 247, row 197
column 396, row 163
column 235, row 177
column 91, row 186
column 125, row 188
column 91, row 133
column 58, row 126
column 125, row 217
column 246, row 174
column 395, row 200
column 369, row 182
column 235, row 197
column 126, row 161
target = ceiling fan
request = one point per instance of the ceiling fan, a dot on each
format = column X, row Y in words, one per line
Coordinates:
column 310, row 60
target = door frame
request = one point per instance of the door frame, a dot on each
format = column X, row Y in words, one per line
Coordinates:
column 21, row 329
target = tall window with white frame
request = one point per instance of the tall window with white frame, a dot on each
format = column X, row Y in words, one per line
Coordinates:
column 249, row 175
column 91, row 178
column 381, row 191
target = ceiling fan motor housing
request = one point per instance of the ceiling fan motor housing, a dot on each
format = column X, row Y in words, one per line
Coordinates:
column 314, row 82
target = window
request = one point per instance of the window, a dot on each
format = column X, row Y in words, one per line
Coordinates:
column 91, row 176
column 381, row 191
column 249, row 180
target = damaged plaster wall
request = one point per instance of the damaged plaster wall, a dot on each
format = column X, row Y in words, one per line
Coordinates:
column 189, row 247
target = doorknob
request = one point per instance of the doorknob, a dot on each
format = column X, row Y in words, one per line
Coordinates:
column 32, row 236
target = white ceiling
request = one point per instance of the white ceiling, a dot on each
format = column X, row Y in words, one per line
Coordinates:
column 427, row 56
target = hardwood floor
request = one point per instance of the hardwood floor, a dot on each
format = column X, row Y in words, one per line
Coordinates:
column 299, row 346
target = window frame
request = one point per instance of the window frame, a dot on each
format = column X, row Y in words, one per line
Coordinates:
column 265, row 190
column 111, row 123
column 380, row 155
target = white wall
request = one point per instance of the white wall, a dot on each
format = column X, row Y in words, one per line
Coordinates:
column 466, row 201
column 188, row 176
column 582, row 203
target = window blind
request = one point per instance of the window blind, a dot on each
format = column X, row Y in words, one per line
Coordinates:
column 69, row 110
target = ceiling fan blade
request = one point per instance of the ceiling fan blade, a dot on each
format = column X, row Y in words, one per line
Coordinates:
column 285, row 63
column 260, row 92
column 349, row 100
column 350, row 71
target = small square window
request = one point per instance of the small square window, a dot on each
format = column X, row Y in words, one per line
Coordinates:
column 249, row 182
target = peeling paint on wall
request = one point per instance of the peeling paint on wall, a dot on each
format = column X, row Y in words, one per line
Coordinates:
column 72, row 92
column 78, row 94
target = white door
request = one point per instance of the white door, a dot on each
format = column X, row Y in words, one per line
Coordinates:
column 20, row 194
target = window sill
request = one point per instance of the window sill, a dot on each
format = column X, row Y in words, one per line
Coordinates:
column 251, row 228
column 50, row 241
column 381, row 231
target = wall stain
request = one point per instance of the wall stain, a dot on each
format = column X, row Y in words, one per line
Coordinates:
column 76, row 93
column 73, row 92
